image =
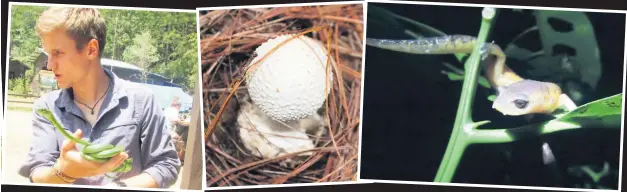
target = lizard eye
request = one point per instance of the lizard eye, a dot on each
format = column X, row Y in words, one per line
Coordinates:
column 520, row 103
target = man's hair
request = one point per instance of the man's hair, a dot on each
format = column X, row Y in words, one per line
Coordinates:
column 81, row 24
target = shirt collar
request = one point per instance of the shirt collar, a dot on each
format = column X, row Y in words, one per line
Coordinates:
column 66, row 97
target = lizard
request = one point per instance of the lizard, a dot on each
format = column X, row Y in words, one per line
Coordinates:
column 516, row 96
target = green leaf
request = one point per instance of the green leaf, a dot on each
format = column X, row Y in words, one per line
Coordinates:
column 454, row 77
column 604, row 112
column 492, row 97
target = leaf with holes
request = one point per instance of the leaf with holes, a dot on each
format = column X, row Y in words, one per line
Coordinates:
column 567, row 52
column 570, row 44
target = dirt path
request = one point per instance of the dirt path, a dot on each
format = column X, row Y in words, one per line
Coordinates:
column 18, row 139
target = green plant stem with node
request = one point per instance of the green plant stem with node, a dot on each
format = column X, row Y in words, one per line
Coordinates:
column 463, row 121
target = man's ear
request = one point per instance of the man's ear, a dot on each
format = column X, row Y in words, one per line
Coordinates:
column 92, row 48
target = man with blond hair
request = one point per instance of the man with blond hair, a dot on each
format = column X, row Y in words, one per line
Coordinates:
column 94, row 104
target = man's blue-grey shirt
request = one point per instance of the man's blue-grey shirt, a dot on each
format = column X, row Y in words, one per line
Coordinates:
column 129, row 117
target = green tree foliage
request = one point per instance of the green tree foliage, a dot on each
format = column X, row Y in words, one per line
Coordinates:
column 142, row 52
column 172, row 36
column 24, row 40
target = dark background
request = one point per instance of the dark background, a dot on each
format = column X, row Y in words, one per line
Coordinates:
column 181, row 4
column 409, row 106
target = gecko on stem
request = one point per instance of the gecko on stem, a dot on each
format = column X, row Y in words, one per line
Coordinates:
column 516, row 95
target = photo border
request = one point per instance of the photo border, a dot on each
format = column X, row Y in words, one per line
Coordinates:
column 6, row 80
column 623, row 12
column 363, row 66
column 364, row 5
column 201, row 109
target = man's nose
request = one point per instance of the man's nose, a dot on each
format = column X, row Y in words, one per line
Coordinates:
column 50, row 63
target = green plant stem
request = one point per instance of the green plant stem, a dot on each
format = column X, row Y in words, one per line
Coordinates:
column 463, row 121
column 506, row 135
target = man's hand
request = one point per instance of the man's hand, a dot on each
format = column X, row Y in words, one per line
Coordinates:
column 73, row 165
column 176, row 121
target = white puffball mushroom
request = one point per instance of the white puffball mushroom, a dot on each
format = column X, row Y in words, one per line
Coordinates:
column 289, row 83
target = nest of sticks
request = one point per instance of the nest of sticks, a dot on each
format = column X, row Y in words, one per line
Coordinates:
column 228, row 40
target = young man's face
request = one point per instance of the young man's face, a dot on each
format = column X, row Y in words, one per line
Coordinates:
column 69, row 64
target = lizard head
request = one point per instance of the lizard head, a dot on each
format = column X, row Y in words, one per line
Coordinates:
column 527, row 97
column 43, row 111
